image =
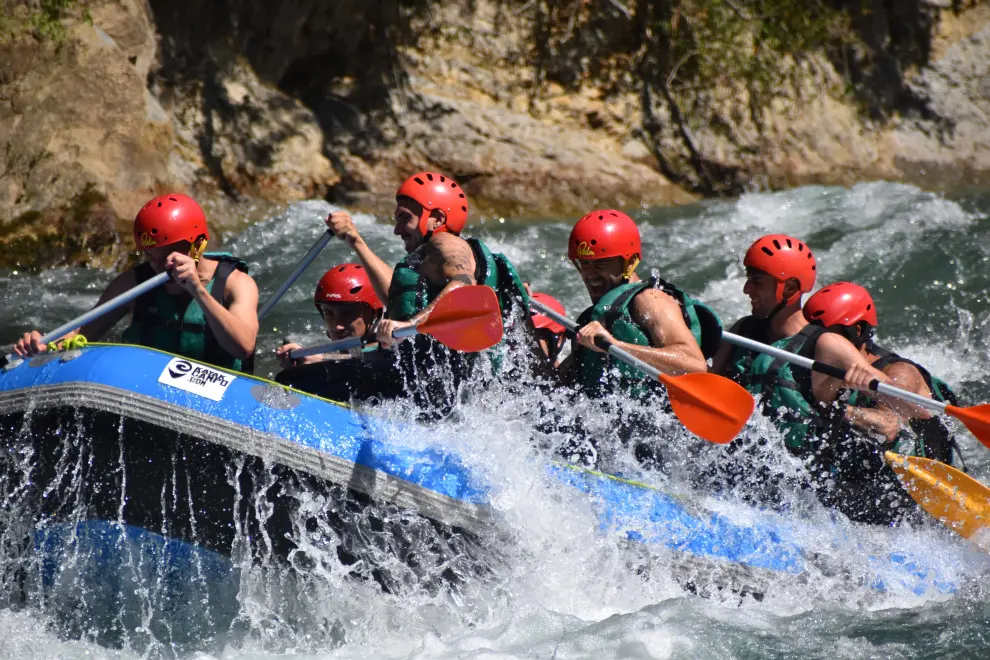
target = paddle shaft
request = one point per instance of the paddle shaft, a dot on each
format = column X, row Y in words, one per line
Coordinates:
column 611, row 348
column 100, row 310
column 345, row 344
column 306, row 261
column 829, row 370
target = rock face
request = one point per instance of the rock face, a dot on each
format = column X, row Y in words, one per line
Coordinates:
column 236, row 101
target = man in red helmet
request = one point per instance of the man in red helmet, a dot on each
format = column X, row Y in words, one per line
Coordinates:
column 805, row 406
column 848, row 309
column 653, row 320
column 350, row 308
column 431, row 211
column 208, row 310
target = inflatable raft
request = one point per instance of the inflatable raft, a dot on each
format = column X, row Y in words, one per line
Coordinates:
column 121, row 449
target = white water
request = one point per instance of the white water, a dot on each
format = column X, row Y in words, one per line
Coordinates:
column 558, row 588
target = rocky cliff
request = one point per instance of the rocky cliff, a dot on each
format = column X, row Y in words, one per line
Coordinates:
column 537, row 107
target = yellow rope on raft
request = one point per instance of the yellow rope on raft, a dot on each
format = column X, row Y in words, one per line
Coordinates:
column 72, row 343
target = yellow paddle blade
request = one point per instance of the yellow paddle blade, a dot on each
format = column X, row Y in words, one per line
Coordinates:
column 954, row 498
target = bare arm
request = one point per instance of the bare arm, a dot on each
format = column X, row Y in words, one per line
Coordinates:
column 379, row 272
column 30, row 343
column 674, row 350
column 447, row 260
column 837, row 351
column 98, row 328
column 874, row 420
column 236, row 327
column 907, row 377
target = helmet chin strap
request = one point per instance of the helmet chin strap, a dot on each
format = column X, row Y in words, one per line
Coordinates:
column 197, row 252
column 630, row 268
column 784, row 302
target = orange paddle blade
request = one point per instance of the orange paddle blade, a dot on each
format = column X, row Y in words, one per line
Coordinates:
column 976, row 419
column 710, row 406
column 954, row 498
column 466, row 319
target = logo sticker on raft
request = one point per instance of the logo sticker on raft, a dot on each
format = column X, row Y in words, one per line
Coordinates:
column 196, row 378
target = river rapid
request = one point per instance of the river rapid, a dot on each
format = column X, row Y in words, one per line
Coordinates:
column 559, row 590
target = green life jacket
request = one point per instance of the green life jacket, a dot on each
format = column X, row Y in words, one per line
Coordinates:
column 409, row 293
column 177, row 324
column 590, row 368
column 929, row 438
column 784, row 390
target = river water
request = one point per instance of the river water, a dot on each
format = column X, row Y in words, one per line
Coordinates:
column 560, row 590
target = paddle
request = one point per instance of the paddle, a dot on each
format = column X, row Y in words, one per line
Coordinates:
column 303, row 264
column 99, row 311
column 710, row 406
column 467, row 319
column 976, row 418
column 956, row 499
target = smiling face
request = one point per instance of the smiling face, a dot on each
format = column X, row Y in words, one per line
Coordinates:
column 345, row 320
column 407, row 214
column 761, row 288
column 601, row 275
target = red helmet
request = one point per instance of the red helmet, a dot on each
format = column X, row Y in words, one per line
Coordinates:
column 169, row 219
column 436, row 191
column 842, row 303
column 541, row 321
column 603, row 234
column 347, row 283
column 783, row 257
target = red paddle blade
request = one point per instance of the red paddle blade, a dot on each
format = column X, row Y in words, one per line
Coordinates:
column 466, row 319
column 976, row 419
column 710, row 406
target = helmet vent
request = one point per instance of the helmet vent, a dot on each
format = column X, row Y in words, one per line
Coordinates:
column 342, row 269
column 789, row 243
column 461, row 195
column 154, row 230
column 814, row 267
column 869, row 307
column 359, row 267
column 419, row 181
column 172, row 199
column 443, row 179
column 430, row 177
column 601, row 217
column 767, row 250
column 356, row 289
column 776, row 243
column 800, row 247
column 454, row 186
column 464, row 208
column 594, row 242
column 159, row 204
column 818, row 313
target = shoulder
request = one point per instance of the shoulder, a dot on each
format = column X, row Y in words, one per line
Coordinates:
column 446, row 242
column 239, row 282
column 653, row 301
column 904, row 374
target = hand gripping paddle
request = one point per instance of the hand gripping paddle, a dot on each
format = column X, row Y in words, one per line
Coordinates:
column 976, row 418
column 710, row 406
column 467, row 319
